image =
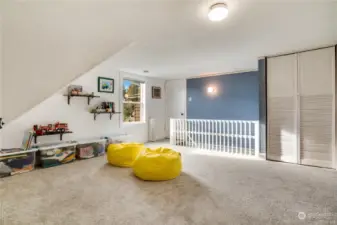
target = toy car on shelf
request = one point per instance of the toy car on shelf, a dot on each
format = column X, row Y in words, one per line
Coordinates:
column 50, row 128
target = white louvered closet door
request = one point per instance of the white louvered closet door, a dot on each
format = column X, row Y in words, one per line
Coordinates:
column 317, row 109
column 282, row 108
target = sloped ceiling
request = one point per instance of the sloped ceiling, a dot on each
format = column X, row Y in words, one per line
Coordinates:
column 48, row 43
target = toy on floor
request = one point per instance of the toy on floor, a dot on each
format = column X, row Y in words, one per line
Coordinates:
column 124, row 154
column 157, row 164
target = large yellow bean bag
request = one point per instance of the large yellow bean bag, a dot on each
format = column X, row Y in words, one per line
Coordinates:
column 157, row 164
column 123, row 155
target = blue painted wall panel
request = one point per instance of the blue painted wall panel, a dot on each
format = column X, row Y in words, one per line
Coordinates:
column 236, row 97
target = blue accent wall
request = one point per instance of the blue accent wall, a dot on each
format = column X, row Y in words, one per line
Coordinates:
column 236, row 97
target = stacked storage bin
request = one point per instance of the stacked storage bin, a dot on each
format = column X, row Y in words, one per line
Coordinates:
column 90, row 148
column 55, row 155
column 15, row 161
column 115, row 139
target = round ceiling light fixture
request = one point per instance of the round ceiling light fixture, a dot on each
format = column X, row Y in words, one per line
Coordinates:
column 218, row 12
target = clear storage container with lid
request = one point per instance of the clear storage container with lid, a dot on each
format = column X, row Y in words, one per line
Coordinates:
column 90, row 148
column 15, row 161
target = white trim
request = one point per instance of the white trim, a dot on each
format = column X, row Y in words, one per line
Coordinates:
column 316, row 163
column 18, row 153
column 298, row 110
column 134, row 123
column 132, row 102
column 57, row 146
column 167, row 119
column 135, row 77
column 220, row 73
column 299, row 51
column 186, row 100
column 143, row 85
column 287, row 159
column 334, row 153
column 91, row 141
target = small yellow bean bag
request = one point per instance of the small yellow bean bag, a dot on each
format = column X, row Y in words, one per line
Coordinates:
column 124, row 154
column 157, row 164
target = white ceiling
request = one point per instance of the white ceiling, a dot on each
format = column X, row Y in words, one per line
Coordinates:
column 173, row 38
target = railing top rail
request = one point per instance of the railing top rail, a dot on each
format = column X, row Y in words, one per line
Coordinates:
column 250, row 121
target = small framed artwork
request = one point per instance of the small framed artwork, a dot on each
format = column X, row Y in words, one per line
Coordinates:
column 156, row 92
column 105, row 85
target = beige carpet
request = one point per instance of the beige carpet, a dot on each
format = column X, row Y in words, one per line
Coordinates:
column 212, row 190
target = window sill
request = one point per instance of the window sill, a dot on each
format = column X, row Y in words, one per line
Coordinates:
column 134, row 123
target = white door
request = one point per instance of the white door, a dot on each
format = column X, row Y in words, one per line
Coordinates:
column 282, row 107
column 317, row 113
column 1, row 88
column 176, row 101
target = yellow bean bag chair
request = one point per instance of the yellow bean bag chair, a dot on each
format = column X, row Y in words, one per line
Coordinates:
column 124, row 154
column 157, row 164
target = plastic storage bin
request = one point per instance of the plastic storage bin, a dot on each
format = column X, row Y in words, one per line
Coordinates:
column 90, row 148
column 15, row 161
column 116, row 139
column 56, row 155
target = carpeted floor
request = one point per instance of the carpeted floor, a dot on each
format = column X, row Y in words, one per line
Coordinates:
column 212, row 190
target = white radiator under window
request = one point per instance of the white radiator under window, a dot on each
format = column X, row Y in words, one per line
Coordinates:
column 152, row 130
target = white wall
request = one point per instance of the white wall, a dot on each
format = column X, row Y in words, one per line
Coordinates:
column 175, row 101
column 42, row 52
column 77, row 115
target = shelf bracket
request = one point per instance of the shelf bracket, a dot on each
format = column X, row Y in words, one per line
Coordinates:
column 69, row 96
column 90, row 97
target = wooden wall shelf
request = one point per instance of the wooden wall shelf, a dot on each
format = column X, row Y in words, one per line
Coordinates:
column 111, row 113
column 51, row 133
column 89, row 96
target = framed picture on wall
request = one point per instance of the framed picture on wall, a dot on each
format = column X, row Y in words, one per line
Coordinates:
column 105, row 85
column 156, row 92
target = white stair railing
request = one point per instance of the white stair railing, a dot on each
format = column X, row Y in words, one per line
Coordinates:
column 236, row 137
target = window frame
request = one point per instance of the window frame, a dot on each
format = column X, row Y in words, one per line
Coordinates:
column 142, row 102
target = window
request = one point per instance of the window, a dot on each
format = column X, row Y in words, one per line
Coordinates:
column 133, row 101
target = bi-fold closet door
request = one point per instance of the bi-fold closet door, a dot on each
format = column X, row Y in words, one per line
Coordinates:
column 301, row 108
column 282, row 108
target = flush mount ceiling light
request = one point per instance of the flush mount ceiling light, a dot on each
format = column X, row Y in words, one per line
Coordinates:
column 218, row 12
